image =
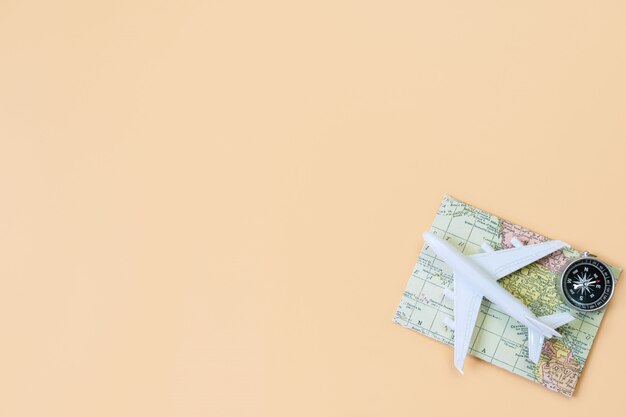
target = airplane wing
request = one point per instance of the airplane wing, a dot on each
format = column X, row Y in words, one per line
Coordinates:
column 503, row 262
column 542, row 327
column 466, row 307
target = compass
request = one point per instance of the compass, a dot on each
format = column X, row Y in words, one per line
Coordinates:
column 587, row 283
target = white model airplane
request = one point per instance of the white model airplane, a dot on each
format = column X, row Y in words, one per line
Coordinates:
column 475, row 277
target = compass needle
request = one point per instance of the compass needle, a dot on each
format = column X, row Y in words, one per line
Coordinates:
column 587, row 283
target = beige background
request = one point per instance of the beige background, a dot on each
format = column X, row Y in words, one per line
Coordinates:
column 212, row 208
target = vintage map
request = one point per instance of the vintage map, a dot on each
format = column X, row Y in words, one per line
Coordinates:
column 498, row 338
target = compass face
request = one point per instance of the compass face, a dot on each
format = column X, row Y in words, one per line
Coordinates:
column 587, row 284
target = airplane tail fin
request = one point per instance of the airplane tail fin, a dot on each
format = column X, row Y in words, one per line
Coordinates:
column 541, row 328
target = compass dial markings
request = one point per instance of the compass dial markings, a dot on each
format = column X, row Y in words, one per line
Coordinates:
column 587, row 284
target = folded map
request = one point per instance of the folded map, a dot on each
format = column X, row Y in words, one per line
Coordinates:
column 498, row 338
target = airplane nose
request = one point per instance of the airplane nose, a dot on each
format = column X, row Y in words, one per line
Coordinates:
column 428, row 237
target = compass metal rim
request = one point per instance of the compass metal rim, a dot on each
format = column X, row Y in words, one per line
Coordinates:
column 585, row 255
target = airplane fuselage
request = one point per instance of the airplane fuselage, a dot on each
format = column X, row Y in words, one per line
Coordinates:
column 482, row 280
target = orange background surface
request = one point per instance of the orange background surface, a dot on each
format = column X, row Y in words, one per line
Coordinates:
column 212, row 208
